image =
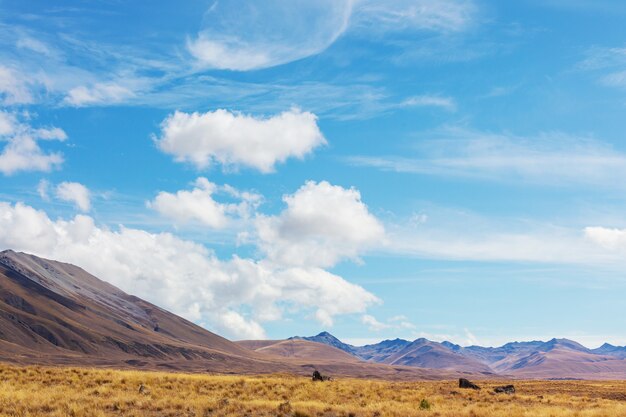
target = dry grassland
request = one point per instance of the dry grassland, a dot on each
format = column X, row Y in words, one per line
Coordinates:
column 77, row 392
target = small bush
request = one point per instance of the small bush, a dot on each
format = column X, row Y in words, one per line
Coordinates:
column 424, row 404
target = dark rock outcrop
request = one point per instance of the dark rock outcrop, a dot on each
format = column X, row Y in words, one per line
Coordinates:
column 504, row 389
column 467, row 384
column 319, row 377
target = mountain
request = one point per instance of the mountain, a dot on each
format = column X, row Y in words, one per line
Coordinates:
column 330, row 340
column 491, row 355
column 610, row 350
column 53, row 313
column 426, row 354
column 556, row 358
column 562, row 344
column 562, row 358
column 57, row 313
column 379, row 352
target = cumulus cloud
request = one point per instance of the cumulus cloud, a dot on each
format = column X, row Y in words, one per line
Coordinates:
column 75, row 193
column 235, row 139
column 242, row 327
column 233, row 296
column 240, row 35
column 199, row 204
column 22, row 151
column 322, row 224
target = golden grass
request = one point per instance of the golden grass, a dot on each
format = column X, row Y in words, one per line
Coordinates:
column 77, row 392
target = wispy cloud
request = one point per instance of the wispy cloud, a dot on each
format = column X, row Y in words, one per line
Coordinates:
column 83, row 70
column 398, row 15
column 545, row 159
column 14, row 89
column 447, row 103
column 608, row 65
column 241, row 36
column 455, row 235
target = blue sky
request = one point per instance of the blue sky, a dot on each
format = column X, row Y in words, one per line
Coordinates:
column 449, row 169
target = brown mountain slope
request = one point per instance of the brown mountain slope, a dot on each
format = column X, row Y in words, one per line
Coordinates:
column 256, row 344
column 50, row 311
column 56, row 313
column 303, row 349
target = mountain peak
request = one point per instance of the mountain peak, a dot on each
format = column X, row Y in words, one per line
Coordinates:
column 8, row 253
column 562, row 343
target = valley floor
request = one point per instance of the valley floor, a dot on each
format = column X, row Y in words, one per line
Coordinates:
column 47, row 391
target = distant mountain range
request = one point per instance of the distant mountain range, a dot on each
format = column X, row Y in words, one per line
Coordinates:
column 556, row 358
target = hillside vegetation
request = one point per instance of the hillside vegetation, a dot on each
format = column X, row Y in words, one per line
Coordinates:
column 77, row 392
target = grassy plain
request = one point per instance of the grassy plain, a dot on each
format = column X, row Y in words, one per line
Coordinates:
column 77, row 392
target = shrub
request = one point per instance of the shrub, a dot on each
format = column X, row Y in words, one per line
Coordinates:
column 424, row 404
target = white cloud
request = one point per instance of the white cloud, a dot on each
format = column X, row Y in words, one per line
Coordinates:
column 547, row 159
column 609, row 238
column 235, row 139
column 554, row 245
column 8, row 124
column 13, row 88
column 373, row 324
column 242, row 36
column 200, row 206
column 76, row 193
column 33, row 45
column 331, row 294
column 397, row 15
column 616, row 79
column 608, row 64
column 245, row 36
column 182, row 276
column 22, row 151
column 464, row 236
column 430, row 101
column 321, row 225
column 99, row 93
column 42, row 189
column 471, row 339
column 395, row 323
column 238, row 325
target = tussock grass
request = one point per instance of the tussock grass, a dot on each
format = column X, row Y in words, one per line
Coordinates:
column 81, row 392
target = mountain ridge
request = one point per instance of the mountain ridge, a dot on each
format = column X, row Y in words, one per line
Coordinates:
column 554, row 358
